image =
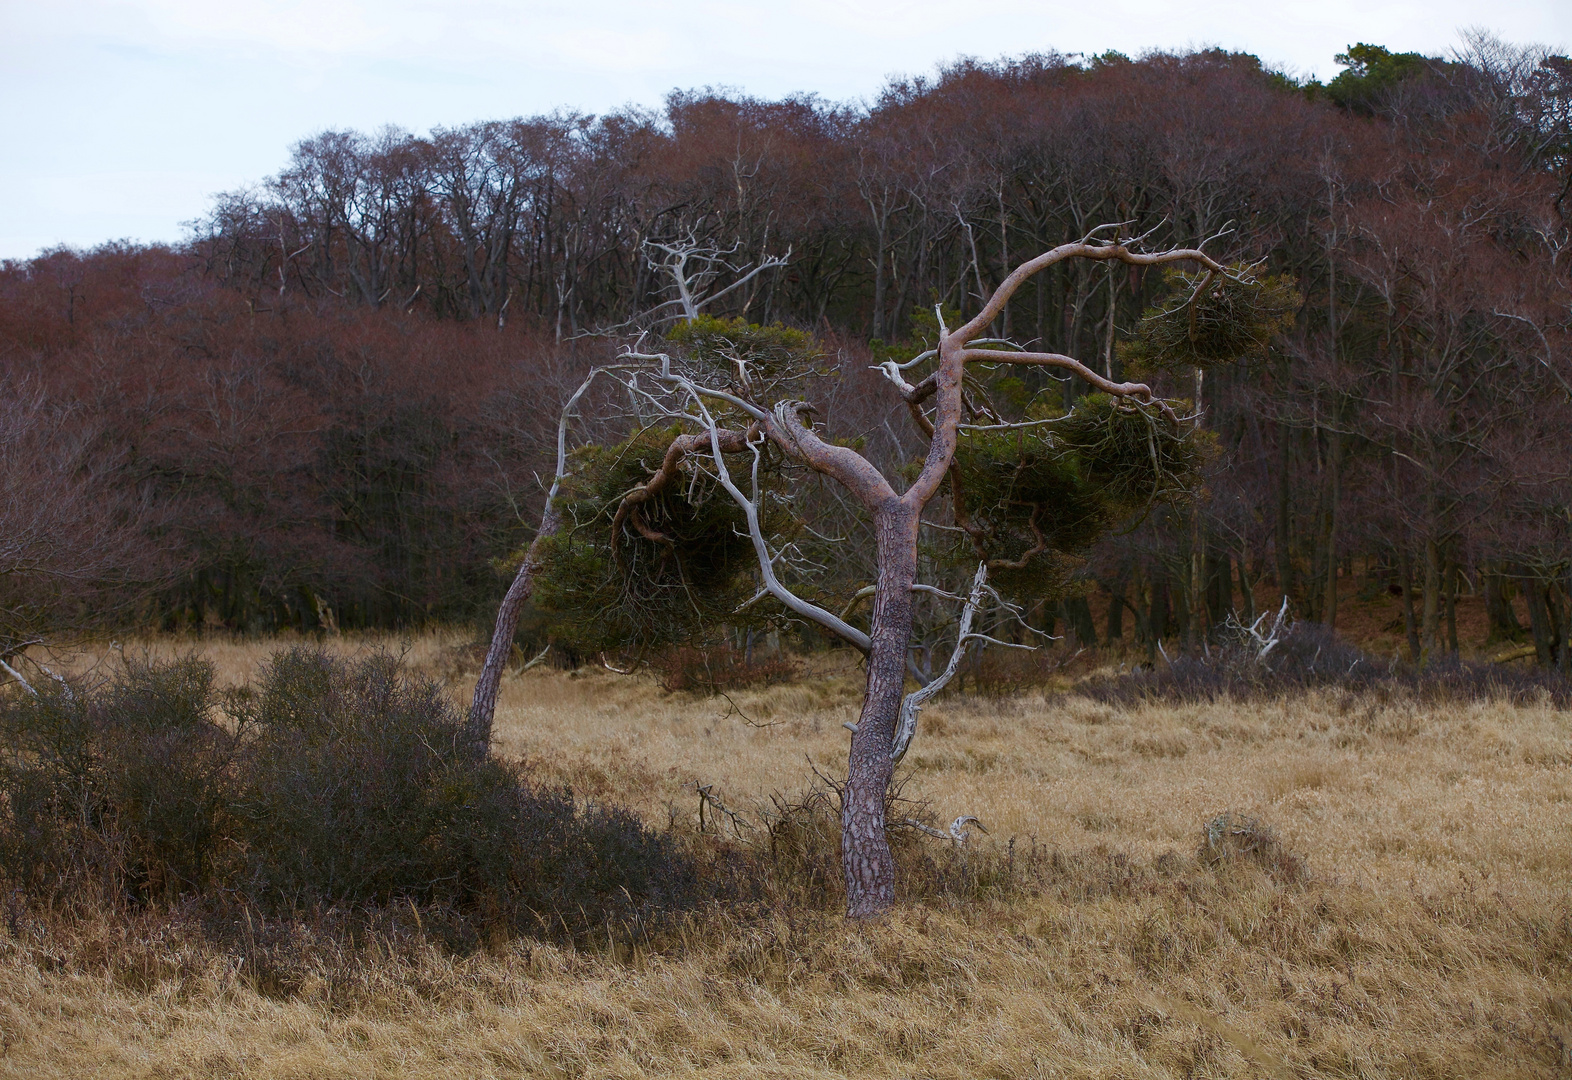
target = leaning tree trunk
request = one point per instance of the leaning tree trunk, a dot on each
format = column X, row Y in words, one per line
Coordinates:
column 865, row 848
column 484, row 706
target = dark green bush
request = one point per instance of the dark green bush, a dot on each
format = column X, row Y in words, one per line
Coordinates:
column 330, row 782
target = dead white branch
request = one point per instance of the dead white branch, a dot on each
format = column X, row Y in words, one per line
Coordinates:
column 914, row 701
column 691, row 266
column 1261, row 642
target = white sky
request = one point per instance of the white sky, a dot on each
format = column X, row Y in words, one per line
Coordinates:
column 119, row 118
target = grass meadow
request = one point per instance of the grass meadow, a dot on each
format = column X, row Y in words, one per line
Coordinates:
column 1417, row 921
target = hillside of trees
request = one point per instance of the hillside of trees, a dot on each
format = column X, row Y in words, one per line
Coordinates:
column 334, row 403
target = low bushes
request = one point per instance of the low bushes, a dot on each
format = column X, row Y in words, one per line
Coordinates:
column 329, row 782
column 1310, row 656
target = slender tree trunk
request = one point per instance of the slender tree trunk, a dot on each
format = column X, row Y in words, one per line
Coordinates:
column 1283, row 532
column 1078, row 616
column 484, row 705
column 879, row 283
column 865, row 848
column 1114, row 634
column 1565, row 662
column 1246, row 588
column 1498, row 606
column 1431, row 629
column 1334, row 459
column 1199, row 621
column 1558, row 644
column 1220, row 586
column 1539, row 621
column 1158, row 620
column 1410, row 627
column 1451, row 576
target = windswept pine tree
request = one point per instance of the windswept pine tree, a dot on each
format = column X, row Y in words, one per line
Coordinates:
column 690, row 521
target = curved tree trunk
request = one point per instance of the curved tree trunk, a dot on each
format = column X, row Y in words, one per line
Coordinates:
column 865, row 849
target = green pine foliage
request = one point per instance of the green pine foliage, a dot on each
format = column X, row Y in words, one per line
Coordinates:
column 1372, row 72
column 600, row 589
column 746, row 359
column 1210, row 319
column 1061, row 483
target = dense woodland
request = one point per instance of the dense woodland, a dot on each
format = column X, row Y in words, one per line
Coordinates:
column 335, row 403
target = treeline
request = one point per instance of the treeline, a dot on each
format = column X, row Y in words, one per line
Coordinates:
column 332, row 402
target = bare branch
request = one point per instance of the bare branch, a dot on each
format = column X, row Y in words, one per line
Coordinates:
column 17, row 675
column 1083, row 250
column 766, row 561
column 906, row 728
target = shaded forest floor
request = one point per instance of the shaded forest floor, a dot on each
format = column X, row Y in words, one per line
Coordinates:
column 1427, row 931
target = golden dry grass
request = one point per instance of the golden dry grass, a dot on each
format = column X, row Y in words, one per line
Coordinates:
column 1434, row 937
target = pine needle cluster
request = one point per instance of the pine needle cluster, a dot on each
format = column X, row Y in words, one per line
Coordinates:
column 1209, row 319
column 678, row 579
column 1030, row 497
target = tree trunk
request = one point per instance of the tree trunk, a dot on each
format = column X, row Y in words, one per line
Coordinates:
column 1219, row 587
column 484, row 705
column 1540, row 621
column 1078, row 617
column 1114, row 634
column 1410, row 627
column 1143, row 613
column 1246, row 590
column 1334, row 461
column 1451, row 578
column 1200, row 623
column 1558, row 644
column 1197, row 620
column 865, row 848
column 1283, row 532
column 1157, row 622
column 1565, row 663
column 1431, row 628
column 1498, row 606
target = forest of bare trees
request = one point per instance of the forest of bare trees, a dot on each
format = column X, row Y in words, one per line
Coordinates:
column 336, row 403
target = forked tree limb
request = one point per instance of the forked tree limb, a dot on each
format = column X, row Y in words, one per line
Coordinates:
column 1080, row 250
column 912, row 705
column 854, row 472
column 1059, row 360
column 750, row 509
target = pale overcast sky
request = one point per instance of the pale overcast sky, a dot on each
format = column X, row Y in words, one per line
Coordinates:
column 120, row 118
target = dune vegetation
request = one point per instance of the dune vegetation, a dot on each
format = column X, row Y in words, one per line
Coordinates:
column 1387, row 896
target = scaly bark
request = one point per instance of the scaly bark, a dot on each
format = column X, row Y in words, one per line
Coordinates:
column 866, row 859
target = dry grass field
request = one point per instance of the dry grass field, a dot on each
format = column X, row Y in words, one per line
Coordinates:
column 1431, row 936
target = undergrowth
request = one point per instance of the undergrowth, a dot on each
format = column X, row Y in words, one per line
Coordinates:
column 329, row 785
column 1309, row 656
